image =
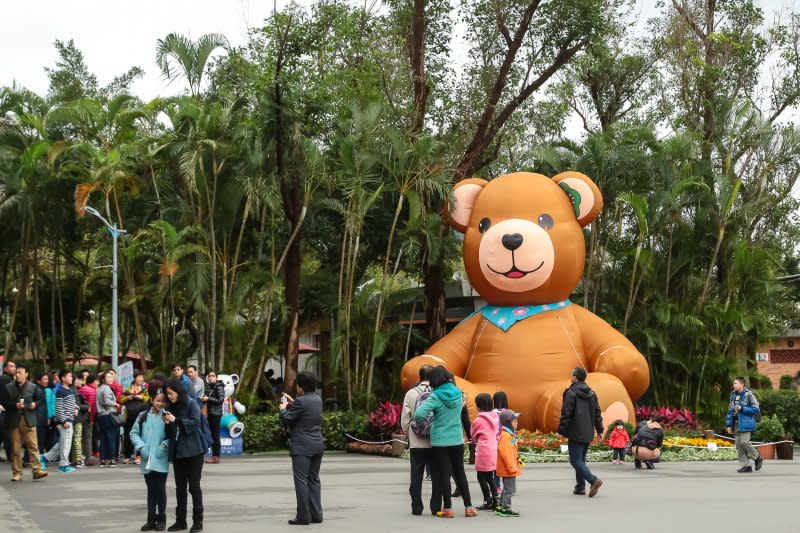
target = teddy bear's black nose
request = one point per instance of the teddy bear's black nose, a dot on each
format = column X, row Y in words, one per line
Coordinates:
column 512, row 241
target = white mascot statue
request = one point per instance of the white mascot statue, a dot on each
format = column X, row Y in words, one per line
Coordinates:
column 231, row 407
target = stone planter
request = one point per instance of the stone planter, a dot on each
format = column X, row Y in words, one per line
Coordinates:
column 766, row 451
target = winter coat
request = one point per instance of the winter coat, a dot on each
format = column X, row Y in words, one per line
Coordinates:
column 445, row 404
column 90, row 394
column 106, row 402
column 507, row 454
column 134, row 406
column 50, row 398
column 149, row 438
column 618, row 438
column 83, row 408
column 580, row 414
column 13, row 392
column 185, row 434
column 484, row 433
column 648, row 434
column 745, row 420
column 409, row 403
column 40, row 397
column 216, row 396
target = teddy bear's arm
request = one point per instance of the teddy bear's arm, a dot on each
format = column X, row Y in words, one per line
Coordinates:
column 453, row 351
column 611, row 352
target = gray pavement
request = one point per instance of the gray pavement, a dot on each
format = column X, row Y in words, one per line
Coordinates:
column 364, row 494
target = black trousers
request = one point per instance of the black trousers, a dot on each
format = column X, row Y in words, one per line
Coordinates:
column 156, row 496
column 188, row 471
column 618, row 454
column 486, row 481
column 421, row 458
column 307, row 487
column 213, row 424
column 450, row 460
column 128, row 446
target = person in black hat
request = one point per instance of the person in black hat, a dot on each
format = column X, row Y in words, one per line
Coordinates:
column 580, row 418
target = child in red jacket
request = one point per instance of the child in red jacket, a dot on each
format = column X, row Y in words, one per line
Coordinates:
column 618, row 439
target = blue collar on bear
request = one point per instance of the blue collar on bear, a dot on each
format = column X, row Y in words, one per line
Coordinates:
column 506, row 316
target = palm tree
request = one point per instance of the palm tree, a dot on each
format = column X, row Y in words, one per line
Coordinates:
column 177, row 55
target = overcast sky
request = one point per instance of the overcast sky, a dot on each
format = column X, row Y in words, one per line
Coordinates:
column 117, row 34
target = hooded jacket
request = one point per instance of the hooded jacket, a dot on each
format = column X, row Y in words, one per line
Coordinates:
column 580, row 413
column 743, row 421
column 149, row 438
column 648, row 434
column 484, row 433
column 409, row 403
column 618, row 438
column 445, row 403
column 507, row 454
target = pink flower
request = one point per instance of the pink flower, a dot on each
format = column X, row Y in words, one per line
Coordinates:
column 519, row 311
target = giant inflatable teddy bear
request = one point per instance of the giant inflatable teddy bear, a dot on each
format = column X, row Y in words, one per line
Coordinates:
column 524, row 253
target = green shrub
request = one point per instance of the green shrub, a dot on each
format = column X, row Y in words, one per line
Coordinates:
column 786, row 382
column 769, row 429
column 264, row 432
column 783, row 403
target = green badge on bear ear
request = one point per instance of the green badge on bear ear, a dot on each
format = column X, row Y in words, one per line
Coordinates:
column 574, row 197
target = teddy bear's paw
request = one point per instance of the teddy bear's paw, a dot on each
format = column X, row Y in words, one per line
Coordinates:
column 615, row 411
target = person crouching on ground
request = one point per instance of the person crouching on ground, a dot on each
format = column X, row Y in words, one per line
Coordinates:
column 617, row 441
column 508, row 468
column 187, row 446
column 646, row 442
column 740, row 422
column 484, row 433
column 149, row 440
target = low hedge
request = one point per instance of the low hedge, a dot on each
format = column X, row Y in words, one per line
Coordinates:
column 785, row 404
column 265, row 432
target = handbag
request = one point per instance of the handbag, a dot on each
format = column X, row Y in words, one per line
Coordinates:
column 116, row 418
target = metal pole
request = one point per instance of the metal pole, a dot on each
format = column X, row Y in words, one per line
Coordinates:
column 114, row 335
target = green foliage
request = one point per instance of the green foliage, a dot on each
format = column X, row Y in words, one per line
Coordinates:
column 787, row 383
column 769, row 429
column 265, row 432
column 783, row 404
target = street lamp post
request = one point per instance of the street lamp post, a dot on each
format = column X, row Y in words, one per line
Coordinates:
column 115, row 233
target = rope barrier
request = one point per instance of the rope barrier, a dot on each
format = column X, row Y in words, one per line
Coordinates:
column 374, row 442
column 755, row 444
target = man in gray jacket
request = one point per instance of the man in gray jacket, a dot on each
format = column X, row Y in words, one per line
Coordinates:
column 304, row 416
column 419, row 441
column 21, row 423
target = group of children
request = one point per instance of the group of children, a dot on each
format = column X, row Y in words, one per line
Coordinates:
column 497, row 462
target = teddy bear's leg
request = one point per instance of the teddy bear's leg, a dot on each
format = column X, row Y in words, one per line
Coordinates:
column 615, row 403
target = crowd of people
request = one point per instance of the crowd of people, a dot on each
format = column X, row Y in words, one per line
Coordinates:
column 75, row 419
column 432, row 418
column 80, row 419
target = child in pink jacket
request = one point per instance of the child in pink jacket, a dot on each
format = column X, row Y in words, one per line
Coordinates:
column 484, row 432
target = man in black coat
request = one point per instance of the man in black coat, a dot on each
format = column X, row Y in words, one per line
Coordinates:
column 304, row 416
column 6, row 377
column 580, row 418
column 21, row 420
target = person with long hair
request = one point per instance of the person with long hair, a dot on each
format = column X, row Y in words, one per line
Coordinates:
column 447, row 439
column 109, row 431
column 187, row 447
column 135, row 399
column 149, row 439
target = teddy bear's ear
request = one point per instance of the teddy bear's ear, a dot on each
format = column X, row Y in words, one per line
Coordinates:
column 583, row 193
column 235, row 379
column 459, row 210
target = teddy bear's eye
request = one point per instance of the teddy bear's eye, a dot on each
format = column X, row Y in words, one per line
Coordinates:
column 484, row 225
column 546, row 221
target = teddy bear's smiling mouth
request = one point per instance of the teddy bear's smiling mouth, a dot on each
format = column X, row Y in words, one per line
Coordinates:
column 514, row 272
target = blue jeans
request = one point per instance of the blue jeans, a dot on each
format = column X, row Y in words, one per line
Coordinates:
column 577, row 458
column 109, row 435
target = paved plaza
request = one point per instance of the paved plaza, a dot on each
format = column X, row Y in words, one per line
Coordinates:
column 364, row 494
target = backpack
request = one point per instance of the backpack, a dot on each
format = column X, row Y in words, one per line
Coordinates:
column 422, row 429
column 750, row 402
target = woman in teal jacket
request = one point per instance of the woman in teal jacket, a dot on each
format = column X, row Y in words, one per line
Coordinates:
column 447, row 440
column 149, row 438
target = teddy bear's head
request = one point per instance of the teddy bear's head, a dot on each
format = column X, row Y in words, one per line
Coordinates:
column 230, row 381
column 523, row 237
